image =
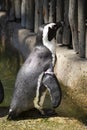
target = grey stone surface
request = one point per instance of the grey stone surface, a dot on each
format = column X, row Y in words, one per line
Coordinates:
column 22, row 39
column 72, row 74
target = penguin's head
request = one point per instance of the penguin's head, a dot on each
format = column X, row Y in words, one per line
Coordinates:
column 49, row 35
column 49, row 31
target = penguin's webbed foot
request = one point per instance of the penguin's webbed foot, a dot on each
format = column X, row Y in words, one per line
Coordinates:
column 11, row 115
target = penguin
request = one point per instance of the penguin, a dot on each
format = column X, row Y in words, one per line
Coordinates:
column 35, row 77
column 1, row 92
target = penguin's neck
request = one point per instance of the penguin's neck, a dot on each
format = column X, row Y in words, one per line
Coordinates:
column 51, row 45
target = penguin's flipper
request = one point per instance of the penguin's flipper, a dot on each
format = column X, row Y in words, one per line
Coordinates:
column 51, row 83
column 1, row 92
column 40, row 94
column 47, row 81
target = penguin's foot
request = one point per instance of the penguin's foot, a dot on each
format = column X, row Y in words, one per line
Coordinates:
column 38, row 107
column 12, row 115
column 50, row 112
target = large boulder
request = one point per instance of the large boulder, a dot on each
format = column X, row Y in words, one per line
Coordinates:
column 22, row 39
column 72, row 74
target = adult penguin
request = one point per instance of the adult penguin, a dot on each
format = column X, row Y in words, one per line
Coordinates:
column 36, row 76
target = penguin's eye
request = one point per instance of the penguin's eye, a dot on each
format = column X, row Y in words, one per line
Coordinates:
column 54, row 27
column 51, row 33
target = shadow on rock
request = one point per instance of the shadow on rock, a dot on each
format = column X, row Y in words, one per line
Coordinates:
column 35, row 114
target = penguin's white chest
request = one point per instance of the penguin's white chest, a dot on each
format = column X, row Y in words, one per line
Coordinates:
column 50, row 45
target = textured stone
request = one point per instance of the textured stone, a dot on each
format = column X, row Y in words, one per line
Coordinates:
column 22, row 39
column 72, row 74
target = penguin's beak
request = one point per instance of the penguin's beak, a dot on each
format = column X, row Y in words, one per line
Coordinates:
column 60, row 24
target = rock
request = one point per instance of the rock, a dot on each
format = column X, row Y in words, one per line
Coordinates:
column 72, row 74
column 22, row 39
